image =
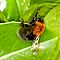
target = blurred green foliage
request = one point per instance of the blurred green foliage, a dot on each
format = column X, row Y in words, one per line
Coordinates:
column 17, row 10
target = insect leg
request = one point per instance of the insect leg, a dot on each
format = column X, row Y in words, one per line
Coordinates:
column 36, row 14
column 35, row 46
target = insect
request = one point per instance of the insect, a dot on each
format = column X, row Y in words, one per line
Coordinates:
column 35, row 27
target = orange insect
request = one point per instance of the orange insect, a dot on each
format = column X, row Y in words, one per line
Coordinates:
column 38, row 28
column 32, row 29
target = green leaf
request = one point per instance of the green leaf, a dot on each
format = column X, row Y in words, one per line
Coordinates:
column 42, row 8
column 11, row 11
column 22, row 6
column 44, row 1
column 9, row 40
column 2, row 17
column 53, row 24
column 58, row 56
column 52, row 20
column 26, row 53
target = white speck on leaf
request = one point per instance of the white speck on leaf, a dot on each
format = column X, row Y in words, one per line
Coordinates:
column 26, row 8
column 42, row 47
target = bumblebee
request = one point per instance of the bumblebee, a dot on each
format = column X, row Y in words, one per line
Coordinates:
column 35, row 27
